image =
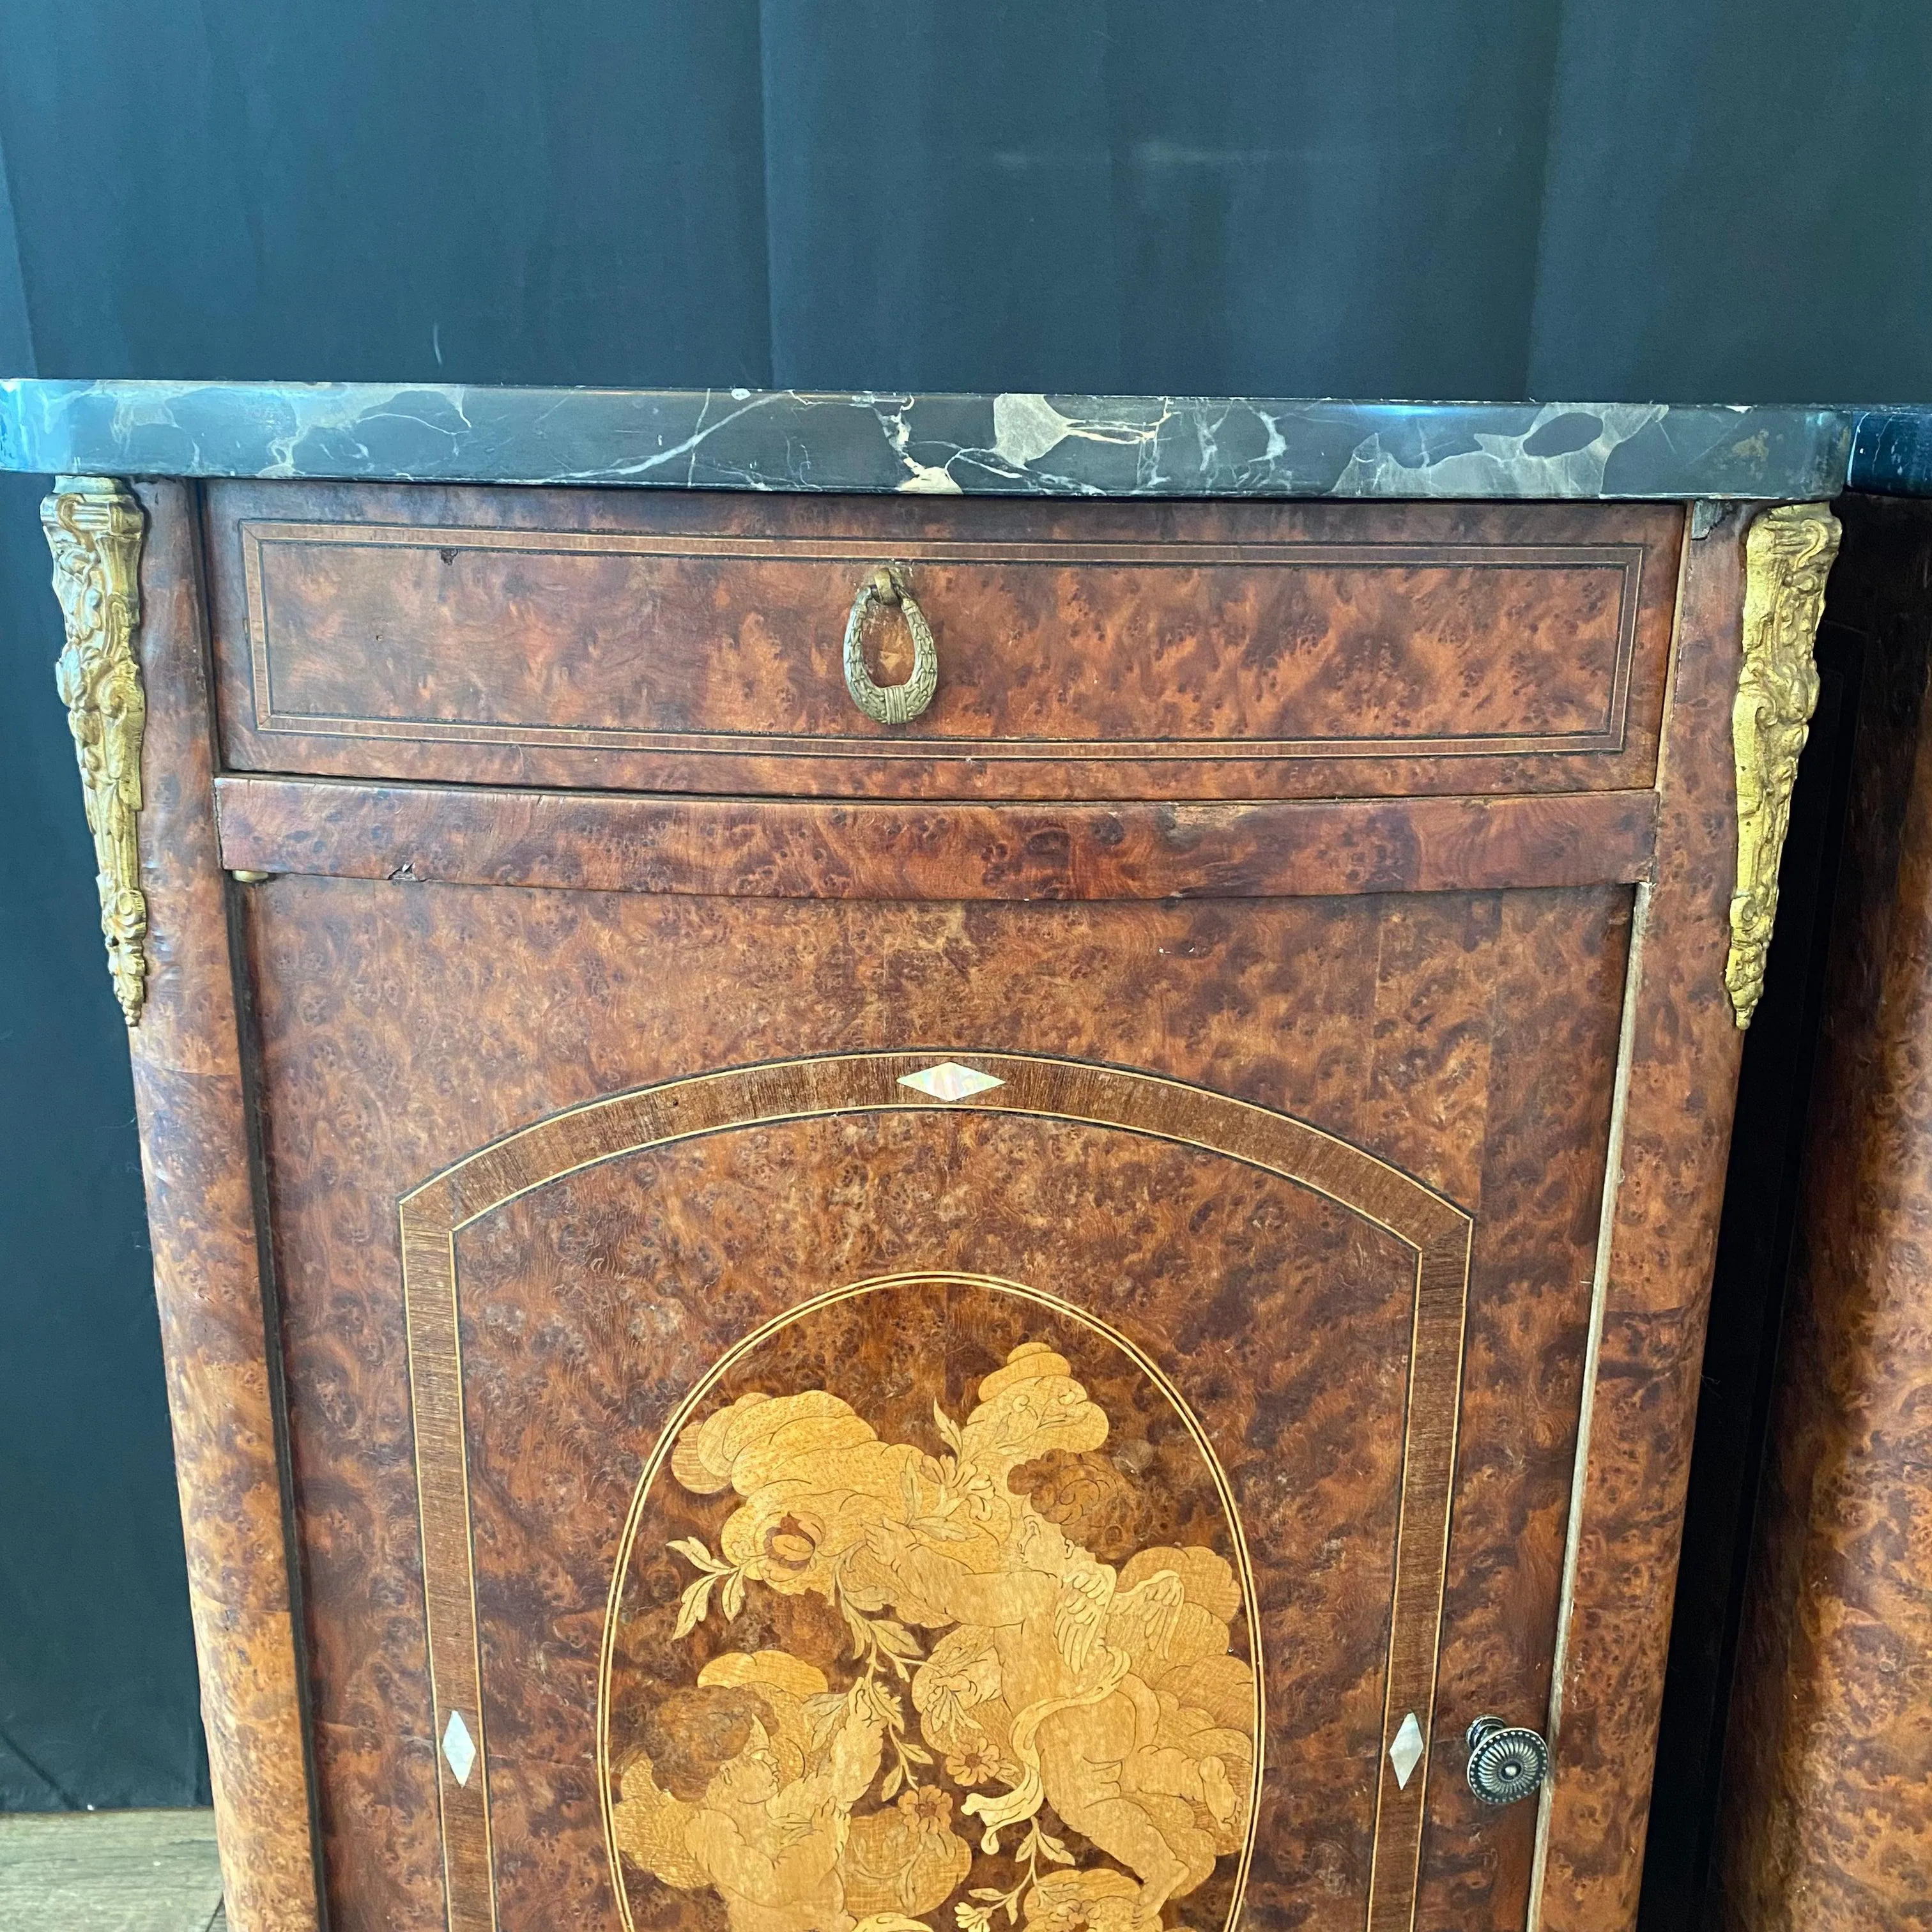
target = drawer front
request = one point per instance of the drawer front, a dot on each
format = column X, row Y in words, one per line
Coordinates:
column 692, row 643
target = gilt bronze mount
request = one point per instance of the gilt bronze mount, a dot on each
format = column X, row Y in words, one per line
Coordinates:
column 94, row 527
column 1788, row 555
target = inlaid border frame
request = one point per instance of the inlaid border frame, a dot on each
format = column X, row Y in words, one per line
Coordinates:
column 1439, row 1232
column 258, row 536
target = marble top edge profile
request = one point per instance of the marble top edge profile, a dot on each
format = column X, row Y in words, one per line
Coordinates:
column 1015, row 444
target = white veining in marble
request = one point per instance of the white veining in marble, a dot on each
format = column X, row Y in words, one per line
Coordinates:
column 1016, row 442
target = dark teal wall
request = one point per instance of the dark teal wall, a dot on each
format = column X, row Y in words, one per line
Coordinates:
column 1710, row 200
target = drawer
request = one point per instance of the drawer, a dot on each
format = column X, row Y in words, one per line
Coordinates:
column 694, row 642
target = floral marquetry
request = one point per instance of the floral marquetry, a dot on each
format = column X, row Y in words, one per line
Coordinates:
column 976, row 1648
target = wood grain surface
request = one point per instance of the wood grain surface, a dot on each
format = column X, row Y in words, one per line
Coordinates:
column 810, row 849
column 1824, row 1824
column 692, row 643
column 222, row 1368
column 110, row 1871
column 1682, row 1077
column 1003, row 1188
column 403, row 1028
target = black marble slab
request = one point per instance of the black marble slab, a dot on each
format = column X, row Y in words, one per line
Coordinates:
column 1891, row 452
column 1008, row 445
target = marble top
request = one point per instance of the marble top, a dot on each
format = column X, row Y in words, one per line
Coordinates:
column 1014, row 444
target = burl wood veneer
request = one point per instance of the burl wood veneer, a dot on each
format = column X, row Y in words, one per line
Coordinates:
column 691, row 642
column 785, row 1324
column 1825, row 1823
column 218, row 1328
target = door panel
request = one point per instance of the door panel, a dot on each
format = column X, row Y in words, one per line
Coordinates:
column 1208, row 1269
column 1459, row 1045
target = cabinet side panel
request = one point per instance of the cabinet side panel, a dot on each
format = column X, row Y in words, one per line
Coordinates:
column 189, row 1089
column 1684, row 1053
column 1827, row 1754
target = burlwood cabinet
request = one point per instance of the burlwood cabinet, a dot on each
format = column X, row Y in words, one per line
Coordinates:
column 792, row 1323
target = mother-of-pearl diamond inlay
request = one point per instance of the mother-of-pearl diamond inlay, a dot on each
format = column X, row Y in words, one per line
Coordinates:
column 949, row 1080
column 1406, row 1753
column 459, row 1748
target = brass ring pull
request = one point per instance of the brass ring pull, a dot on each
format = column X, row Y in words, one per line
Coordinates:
column 890, row 703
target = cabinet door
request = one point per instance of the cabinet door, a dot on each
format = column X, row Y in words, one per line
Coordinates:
column 836, row 1415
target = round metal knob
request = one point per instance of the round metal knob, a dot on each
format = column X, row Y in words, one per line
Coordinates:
column 1507, row 1763
column 890, row 703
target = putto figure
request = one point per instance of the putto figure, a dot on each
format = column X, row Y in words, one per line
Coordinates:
column 1046, row 1677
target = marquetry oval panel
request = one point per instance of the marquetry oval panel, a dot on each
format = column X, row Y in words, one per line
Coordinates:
column 979, row 1633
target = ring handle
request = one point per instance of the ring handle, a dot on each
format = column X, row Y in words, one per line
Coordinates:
column 890, row 703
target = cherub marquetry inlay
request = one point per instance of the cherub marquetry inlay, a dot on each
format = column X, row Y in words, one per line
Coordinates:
column 1005, row 1668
